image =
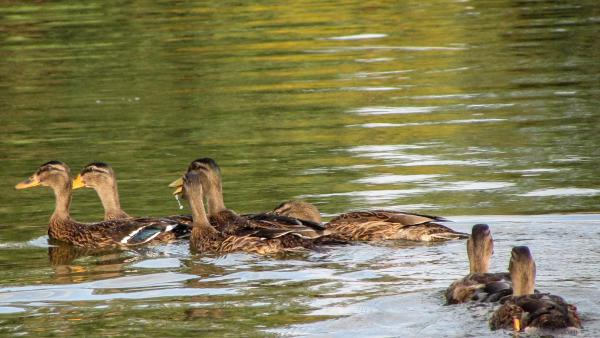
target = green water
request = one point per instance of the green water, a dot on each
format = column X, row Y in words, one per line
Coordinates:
column 443, row 107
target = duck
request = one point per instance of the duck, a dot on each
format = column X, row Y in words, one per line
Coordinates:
column 101, row 177
column 247, row 237
column 528, row 311
column 375, row 225
column 112, row 233
column 480, row 284
column 229, row 222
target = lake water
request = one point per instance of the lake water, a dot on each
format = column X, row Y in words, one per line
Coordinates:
column 461, row 109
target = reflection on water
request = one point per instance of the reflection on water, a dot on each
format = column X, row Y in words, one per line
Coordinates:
column 379, row 289
column 445, row 107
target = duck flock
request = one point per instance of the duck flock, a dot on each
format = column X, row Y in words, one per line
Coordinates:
column 296, row 225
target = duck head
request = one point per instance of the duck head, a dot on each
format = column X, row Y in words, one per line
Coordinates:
column 299, row 209
column 522, row 271
column 95, row 175
column 54, row 174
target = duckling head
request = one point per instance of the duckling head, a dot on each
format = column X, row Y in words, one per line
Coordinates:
column 299, row 209
column 480, row 247
column 522, row 271
column 54, row 174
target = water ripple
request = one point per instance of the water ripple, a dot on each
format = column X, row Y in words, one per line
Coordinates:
column 562, row 192
column 358, row 37
column 393, row 110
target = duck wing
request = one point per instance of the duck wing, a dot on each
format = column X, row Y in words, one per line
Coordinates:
column 548, row 311
column 428, row 232
column 184, row 219
column 402, row 218
column 272, row 217
column 539, row 310
column 479, row 287
column 135, row 231
column 231, row 223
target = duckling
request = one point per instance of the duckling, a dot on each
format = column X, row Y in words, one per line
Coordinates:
column 376, row 224
column 526, row 310
column 229, row 222
column 123, row 232
column 101, row 177
column 479, row 285
column 206, row 238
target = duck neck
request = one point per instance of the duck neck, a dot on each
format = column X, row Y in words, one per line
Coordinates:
column 478, row 265
column 200, row 226
column 477, row 260
column 109, row 196
column 523, row 282
column 62, row 192
column 214, row 198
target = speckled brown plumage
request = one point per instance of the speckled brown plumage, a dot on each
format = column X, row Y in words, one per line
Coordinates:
column 479, row 285
column 121, row 232
column 230, row 237
column 541, row 310
column 375, row 225
column 114, row 232
column 287, row 232
column 101, row 177
column 531, row 310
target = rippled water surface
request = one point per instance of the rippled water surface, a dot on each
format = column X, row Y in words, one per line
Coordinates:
column 456, row 108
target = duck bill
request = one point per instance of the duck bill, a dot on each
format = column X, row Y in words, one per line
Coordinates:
column 28, row 183
column 178, row 185
column 516, row 324
column 178, row 191
column 78, row 182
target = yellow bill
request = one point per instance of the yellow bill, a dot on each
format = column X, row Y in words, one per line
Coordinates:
column 78, row 182
column 516, row 324
column 177, row 183
column 178, row 190
column 28, row 183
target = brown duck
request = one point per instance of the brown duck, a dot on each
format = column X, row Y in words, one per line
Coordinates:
column 376, row 224
column 122, row 232
column 479, row 285
column 229, row 222
column 101, row 177
column 526, row 310
column 244, row 237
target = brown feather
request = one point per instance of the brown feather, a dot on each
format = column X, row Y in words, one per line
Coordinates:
column 541, row 310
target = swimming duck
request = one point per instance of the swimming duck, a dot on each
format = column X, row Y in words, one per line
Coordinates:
column 206, row 238
column 123, row 232
column 101, row 177
column 229, row 222
column 479, row 285
column 526, row 310
column 376, row 224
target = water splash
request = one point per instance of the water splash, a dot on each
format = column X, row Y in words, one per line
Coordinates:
column 178, row 202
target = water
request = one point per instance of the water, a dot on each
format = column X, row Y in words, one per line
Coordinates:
column 456, row 108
